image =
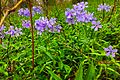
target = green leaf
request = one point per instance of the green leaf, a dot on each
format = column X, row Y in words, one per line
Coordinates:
column 117, row 64
column 113, row 60
column 56, row 77
column 79, row 75
column 113, row 71
column 45, row 65
column 3, row 71
column 60, row 64
column 47, row 53
column 6, row 73
column 97, row 54
column 101, row 68
column 91, row 72
column 67, row 68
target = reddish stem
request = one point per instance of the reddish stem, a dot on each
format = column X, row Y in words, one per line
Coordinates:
column 32, row 30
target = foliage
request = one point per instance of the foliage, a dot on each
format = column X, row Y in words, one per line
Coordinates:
column 74, row 53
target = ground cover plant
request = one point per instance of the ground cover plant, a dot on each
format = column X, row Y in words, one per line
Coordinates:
column 65, row 41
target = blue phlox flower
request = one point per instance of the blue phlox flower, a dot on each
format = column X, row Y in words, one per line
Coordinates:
column 110, row 50
column 26, row 23
column 96, row 25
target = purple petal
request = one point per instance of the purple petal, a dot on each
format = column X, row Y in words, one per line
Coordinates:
column 93, row 22
column 110, row 48
column 106, row 49
column 11, row 27
column 96, row 28
column 100, row 26
column 2, row 28
column 114, row 50
column 113, row 54
column 98, row 23
column 92, row 26
column 108, row 53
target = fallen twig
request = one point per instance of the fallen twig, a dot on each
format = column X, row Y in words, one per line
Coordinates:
column 7, row 12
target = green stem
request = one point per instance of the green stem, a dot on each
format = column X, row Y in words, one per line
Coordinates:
column 84, row 30
column 113, row 10
column 103, row 12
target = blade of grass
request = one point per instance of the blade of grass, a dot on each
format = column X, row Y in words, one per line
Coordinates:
column 113, row 71
column 101, row 68
column 56, row 77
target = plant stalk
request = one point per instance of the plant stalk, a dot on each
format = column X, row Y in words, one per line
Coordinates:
column 113, row 10
column 32, row 30
column 103, row 12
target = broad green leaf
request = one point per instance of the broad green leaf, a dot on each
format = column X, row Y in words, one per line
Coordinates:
column 3, row 71
column 56, row 77
column 79, row 74
column 90, row 72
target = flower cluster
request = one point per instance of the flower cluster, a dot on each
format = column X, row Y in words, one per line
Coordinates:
column 109, row 51
column 79, row 14
column 53, row 27
column 26, row 12
column 43, row 24
column 104, row 7
column 14, row 32
column 37, row 9
column 26, row 23
column 70, row 15
column 1, row 31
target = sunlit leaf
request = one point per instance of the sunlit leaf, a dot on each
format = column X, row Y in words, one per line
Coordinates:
column 90, row 72
column 79, row 74
column 56, row 77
